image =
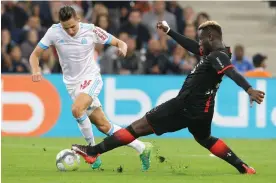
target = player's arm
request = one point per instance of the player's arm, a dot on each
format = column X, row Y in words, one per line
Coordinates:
column 102, row 37
column 43, row 44
column 221, row 62
column 188, row 44
column 122, row 46
column 34, row 62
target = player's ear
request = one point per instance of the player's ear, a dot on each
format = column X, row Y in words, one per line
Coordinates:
column 78, row 18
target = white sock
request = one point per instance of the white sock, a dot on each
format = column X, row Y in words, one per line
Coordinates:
column 86, row 129
column 136, row 144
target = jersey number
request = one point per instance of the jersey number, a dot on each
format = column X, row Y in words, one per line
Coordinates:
column 85, row 84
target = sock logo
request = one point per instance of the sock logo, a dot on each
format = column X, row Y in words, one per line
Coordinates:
column 28, row 108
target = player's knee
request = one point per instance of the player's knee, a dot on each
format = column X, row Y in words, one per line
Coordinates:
column 199, row 134
column 77, row 111
column 140, row 128
column 132, row 131
column 206, row 141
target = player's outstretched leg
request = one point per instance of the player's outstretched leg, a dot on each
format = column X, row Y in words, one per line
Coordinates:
column 221, row 150
column 122, row 137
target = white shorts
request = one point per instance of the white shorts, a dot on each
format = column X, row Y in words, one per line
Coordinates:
column 90, row 85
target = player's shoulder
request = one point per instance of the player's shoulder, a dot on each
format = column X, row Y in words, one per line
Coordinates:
column 87, row 26
column 55, row 28
column 219, row 54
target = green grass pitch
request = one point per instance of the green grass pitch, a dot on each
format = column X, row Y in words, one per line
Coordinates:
column 32, row 160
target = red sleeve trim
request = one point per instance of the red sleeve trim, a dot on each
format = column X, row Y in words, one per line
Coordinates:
column 225, row 68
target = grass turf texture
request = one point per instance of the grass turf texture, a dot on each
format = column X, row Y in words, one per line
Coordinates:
column 28, row 160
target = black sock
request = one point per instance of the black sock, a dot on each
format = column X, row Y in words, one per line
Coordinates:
column 221, row 150
column 120, row 138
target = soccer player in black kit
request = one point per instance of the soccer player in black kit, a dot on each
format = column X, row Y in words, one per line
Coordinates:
column 193, row 107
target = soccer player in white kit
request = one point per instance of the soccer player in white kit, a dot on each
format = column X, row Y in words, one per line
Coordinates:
column 75, row 43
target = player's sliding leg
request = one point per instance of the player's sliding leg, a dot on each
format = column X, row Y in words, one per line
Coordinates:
column 98, row 118
column 120, row 138
column 81, row 103
column 221, row 150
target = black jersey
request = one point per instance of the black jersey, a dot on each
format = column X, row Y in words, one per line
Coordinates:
column 201, row 85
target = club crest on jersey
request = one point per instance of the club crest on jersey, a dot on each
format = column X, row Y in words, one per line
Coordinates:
column 83, row 41
column 85, row 84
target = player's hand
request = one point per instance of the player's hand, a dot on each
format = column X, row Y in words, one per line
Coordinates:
column 121, row 52
column 122, row 49
column 36, row 77
column 163, row 25
column 255, row 96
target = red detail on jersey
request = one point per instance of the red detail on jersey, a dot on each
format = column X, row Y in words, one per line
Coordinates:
column 207, row 104
column 101, row 34
column 227, row 67
column 85, row 84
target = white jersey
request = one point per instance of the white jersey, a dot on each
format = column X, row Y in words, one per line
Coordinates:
column 76, row 54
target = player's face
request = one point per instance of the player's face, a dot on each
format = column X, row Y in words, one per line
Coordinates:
column 204, row 42
column 71, row 26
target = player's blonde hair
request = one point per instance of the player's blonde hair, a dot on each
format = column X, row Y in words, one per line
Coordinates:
column 211, row 25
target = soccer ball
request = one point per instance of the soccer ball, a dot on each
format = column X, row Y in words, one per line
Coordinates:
column 67, row 160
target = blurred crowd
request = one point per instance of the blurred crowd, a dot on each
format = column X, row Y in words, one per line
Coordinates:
column 149, row 51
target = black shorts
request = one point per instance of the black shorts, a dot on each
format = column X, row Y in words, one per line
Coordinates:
column 170, row 117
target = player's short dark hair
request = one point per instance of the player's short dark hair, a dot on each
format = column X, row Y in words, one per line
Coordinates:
column 66, row 12
column 211, row 26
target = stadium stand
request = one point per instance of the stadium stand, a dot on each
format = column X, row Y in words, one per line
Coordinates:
column 244, row 23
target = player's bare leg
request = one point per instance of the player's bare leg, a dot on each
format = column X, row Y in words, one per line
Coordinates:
column 81, row 103
column 221, row 150
column 122, row 137
column 98, row 118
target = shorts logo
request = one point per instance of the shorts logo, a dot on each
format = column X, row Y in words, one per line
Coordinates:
column 85, row 84
column 29, row 109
